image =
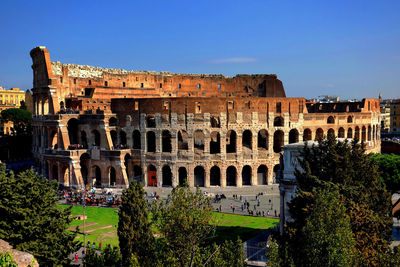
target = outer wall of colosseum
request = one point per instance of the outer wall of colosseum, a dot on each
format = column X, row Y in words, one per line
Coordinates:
column 107, row 127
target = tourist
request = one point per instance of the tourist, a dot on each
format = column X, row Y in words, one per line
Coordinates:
column 88, row 244
column 76, row 257
column 100, row 246
column 94, row 245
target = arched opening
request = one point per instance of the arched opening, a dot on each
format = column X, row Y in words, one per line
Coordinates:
column 166, row 141
column 331, row 132
column 278, row 141
column 97, row 176
column 231, row 141
column 278, row 121
column 350, row 133
column 127, row 163
column 62, row 107
column 364, row 133
column 231, row 176
column 262, row 175
column 341, row 132
column 84, row 139
column 357, row 133
column 150, row 121
column 215, row 143
column 183, row 140
column 331, row 120
column 54, row 140
column 247, row 139
column 122, row 139
column 182, row 175
column 277, row 168
column 112, row 176
column 214, row 122
column 349, row 119
column 151, row 141
column 166, row 176
column 114, row 138
column 373, row 132
column 199, row 176
column 293, row 136
column 73, row 131
column 215, row 176
column 319, row 134
column 151, row 176
column 198, row 141
column 246, row 175
column 369, row 133
column 54, row 173
column 97, row 139
column 136, row 140
column 84, row 163
column 262, row 140
column 307, row 135
column 112, row 121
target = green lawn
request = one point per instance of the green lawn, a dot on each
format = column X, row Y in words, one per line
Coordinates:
column 102, row 223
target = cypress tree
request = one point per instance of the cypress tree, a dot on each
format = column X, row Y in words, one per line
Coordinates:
column 134, row 229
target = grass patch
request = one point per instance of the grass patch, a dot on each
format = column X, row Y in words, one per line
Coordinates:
column 229, row 226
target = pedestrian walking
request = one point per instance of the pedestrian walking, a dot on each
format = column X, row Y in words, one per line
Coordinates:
column 100, row 246
column 76, row 257
column 94, row 245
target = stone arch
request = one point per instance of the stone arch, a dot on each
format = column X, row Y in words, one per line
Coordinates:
column 215, row 176
column 277, row 168
column 122, row 138
column 54, row 173
column 137, row 173
column 198, row 140
column 364, row 133
column 150, row 121
column 246, row 175
column 350, row 133
column 97, row 139
column 349, row 119
column 84, row 163
column 293, row 136
column 262, row 175
column 369, row 132
column 231, row 141
column 84, row 139
column 127, row 164
column 331, row 132
column 166, row 176
column 330, row 120
column 112, row 176
column 54, row 139
column 182, row 173
column 262, row 139
column 136, row 139
column 247, row 140
column 278, row 121
column 62, row 106
column 151, row 141
column 341, row 132
column 307, row 135
column 278, row 141
column 183, row 140
column 214, row 122
column 215, row 143
column 151, row 175
column 112, row 121
column 114, row 138
column 96, row 172
column 231, row 176
column 166, row 141
column 199, row 176
column 357, row 133
column 72, row 127
column 319, row 134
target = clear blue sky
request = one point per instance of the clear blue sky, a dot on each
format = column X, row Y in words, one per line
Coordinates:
column 345, row 48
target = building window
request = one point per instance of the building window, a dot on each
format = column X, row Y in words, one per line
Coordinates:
column 141, row 85
column 198, row 107
column 160, row 85
column 198, row 86
column 74, row 81
column 105, row 83
column 230, row 104
column 179, row 85
column 278, row 107
column 247, row 104
column 90, row 82
column 61, row 80
column 123, row 84
column 219, row 86
column 136, row 105
column 166, row 105
column 137, row 79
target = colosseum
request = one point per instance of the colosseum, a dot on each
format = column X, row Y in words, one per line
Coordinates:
column 106, row 127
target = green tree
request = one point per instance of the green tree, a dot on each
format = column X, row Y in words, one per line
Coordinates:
column 107, row 258
column 346, row 166
column 134, row 229
column 185, row 223
column 21, row 118
column 389, row 170
column 6, row 260
column 30, row 219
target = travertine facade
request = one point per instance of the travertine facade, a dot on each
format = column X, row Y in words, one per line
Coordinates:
column 106, row 126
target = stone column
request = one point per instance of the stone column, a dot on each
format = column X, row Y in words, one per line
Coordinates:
column 175, row 175
column 254, row 180
column 239, row 181
column 223, row 176
column 190, row 175
column 159, row 175
column 206, row 176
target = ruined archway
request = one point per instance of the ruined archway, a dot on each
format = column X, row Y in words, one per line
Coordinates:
column 246, row 175
column 166, row 141
column 122, row 139
column 262, row 140
column 112, row 175
column 84, row 161
column 166, row 176
column 151, row 141
column 231, row 176
column 54, row 173
column 247, row 139
column 278, row 141
column 198, row 137
column 183, row 140
column 199, row 176
column 136, row 140
column 114, row 138
column 215, row 176
column 112, row 121
column 215, row 143
column 127, row 164
column 96, row 172
column 278, row 121
column 262, row 175
column 97, row 138
column 137, row 174
column 54, row 140
column 72, row 127
column 231, row 141
column 182, row 173
column 84, row 139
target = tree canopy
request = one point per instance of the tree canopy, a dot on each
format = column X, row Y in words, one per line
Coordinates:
column 21, row 118
column 389, row 170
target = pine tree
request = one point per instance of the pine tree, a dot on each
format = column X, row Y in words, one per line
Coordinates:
column 30, row 219
column 134, row 229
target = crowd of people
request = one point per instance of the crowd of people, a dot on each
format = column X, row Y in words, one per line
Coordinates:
column 91, row 199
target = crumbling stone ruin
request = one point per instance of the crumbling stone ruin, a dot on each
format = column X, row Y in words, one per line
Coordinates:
column 105, row 127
